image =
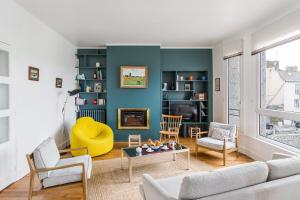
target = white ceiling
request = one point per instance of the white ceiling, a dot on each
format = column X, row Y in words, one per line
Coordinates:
column 171, row 23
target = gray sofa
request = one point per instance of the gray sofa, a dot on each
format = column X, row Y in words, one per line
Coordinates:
column 272, row 180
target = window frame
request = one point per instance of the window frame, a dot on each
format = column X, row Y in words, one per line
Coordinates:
column 261, row 112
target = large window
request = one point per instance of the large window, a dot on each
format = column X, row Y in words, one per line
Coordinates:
column 280, row 94
column 234, row 97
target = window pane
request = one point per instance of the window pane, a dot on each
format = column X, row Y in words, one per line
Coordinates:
column 280, row 130
column 4, row 129
column 4, row 96
column 4, row 63
column 280, row 78
column 234, row 97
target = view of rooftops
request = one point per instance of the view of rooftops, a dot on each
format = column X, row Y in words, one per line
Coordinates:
column 280, row 91
column 280, row 78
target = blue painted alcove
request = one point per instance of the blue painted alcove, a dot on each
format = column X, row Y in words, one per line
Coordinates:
column 133, row 98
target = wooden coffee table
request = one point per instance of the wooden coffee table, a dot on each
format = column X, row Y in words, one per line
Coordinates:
column 131, row 154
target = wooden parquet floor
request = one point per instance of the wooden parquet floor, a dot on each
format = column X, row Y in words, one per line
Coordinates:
column 19, row 190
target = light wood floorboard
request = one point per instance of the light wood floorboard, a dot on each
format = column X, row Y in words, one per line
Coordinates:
column 19, row 190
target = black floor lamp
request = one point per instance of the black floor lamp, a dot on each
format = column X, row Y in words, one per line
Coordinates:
column 63, row 111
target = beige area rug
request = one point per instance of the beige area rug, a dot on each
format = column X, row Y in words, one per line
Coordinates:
column 110, row 182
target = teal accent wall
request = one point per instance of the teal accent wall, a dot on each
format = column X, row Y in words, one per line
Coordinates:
column 133, row 98
column 190, row 60
column 157, row 60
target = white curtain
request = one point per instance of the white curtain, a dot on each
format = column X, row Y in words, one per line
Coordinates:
column 282, row 29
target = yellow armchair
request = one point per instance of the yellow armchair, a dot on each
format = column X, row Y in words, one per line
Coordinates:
column 96, row 136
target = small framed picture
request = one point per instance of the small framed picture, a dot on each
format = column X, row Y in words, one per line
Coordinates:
column 187, row 87
column 98, row 87
column 217, row 84
column 58, row 82
column 33, row 73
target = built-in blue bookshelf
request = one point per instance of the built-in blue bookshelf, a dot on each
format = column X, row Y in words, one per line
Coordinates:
column 93, row 88
column 180, row 95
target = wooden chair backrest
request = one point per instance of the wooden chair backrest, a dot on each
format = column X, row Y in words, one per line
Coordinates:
column 171, row 123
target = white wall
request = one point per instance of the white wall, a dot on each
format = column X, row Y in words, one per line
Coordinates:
column 220, row 97
column 250, row 143
column 37, row 104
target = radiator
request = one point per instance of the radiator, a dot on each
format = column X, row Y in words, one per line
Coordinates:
column 97, row 115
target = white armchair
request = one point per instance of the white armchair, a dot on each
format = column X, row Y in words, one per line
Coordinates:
column 52, row 170
column 222, row 138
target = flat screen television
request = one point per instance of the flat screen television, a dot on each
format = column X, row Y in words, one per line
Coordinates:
column 189, row 112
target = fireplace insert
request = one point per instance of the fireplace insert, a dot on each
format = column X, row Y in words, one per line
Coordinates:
column 189, row 112
column 133, row 118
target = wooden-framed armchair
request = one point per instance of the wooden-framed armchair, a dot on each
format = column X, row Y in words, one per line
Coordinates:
column 53, row 169
column 221, row 137
column 170, row 126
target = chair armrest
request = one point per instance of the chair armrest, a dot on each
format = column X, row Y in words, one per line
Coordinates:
column 75, row 149
column 60, row 167
column 198, row 135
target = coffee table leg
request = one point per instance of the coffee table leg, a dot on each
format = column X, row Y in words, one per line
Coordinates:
column 188, row 160
column 174, row 157
column 130, row 169
column 122, row 155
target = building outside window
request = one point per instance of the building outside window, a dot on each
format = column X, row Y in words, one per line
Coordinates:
column 234, row 95
column 280, row 94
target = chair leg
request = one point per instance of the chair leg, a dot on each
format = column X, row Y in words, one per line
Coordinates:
column 224, row 157
column 160, row 137
column 177, row 139
column 237, row 153
column 84, row 185
column 31, row 186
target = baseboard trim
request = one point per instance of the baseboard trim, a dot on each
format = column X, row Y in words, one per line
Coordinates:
column 251, row 154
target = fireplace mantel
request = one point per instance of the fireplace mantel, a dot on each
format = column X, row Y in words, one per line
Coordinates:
column 133, row 118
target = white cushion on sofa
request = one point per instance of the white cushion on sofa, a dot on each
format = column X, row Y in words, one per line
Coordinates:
column 223, row 180
column 69, row 175
column 283, row 167
column 153, row 190
column 214, row 143
column 46, row 155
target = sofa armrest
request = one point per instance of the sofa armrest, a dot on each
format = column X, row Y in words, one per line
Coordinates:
column 153, row 191
column 276, row 156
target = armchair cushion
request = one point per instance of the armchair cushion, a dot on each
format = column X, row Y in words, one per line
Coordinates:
column 231, row 128
column 46, row 155
column 219, row 134
column 69, row 175
column 214, row 143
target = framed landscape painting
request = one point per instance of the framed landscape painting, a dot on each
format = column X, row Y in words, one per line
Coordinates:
column 134, row 77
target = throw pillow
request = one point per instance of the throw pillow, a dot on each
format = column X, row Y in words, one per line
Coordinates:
column 219, row 133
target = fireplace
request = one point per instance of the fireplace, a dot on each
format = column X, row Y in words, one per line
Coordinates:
column 133, row 118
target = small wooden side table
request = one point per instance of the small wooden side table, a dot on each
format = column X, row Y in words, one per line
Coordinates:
column 134, row 140
column 194, row 131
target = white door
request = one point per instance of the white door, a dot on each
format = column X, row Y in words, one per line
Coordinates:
column 7, row 140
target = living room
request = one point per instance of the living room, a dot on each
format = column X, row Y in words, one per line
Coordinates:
column 149, row 99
